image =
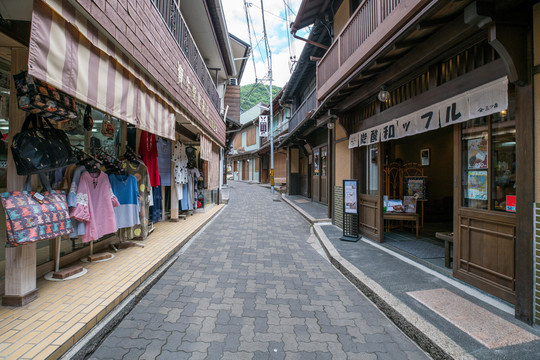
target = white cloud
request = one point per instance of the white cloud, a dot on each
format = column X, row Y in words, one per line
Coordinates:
column 277, row 29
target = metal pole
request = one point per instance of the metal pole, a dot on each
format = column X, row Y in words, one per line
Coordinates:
column 271, row 137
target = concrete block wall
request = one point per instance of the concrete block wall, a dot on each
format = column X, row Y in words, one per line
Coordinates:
column 338, row 206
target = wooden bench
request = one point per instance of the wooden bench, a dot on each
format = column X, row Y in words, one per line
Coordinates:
column 448, row 238
column 403, row 216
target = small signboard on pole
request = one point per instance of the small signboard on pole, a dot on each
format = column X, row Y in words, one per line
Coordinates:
column 350, row 210
column 263, row 125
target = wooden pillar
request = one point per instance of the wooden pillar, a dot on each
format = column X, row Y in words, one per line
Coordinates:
column 525, row 197
column 20, row 283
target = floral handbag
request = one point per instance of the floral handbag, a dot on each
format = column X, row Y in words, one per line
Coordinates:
column 107, row 127
column 31, row 216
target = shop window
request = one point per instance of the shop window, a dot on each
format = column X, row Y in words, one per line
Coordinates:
column 489, row 163
column 323, row 162
column 503, row 140
column 369, row 157
column 475, row 163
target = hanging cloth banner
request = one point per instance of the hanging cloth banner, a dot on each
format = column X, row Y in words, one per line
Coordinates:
column 454, row 111
column 389, row 131
column 206, row 148
column 489, row 99
column 482, row 101
column 263, row 125
column 353, row 140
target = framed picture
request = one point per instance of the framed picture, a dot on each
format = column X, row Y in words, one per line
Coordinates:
column 416, row 186
column 425, row 157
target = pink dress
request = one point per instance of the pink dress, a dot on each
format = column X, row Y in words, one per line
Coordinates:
column 95, row 203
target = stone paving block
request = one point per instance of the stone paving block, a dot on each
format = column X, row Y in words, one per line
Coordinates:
column 192, row 332
column 178, row 355
column 110, row 352
column 173, row 342
column 189, row 346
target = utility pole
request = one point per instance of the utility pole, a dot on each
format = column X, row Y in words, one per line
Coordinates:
column 271, row 128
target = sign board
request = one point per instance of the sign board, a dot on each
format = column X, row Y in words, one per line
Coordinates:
column 350, row 196
column 263, row 125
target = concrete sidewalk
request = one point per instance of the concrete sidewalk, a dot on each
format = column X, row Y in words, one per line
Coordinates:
column 444, row 316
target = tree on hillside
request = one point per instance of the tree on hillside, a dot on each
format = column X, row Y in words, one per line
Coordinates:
column 252, row 94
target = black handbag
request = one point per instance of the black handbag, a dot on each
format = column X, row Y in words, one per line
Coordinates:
column 40, row 149
column 88, row 121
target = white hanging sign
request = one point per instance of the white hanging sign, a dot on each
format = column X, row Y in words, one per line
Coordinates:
column 353, row 140
column 263, row 125
column 484, row 100
column 454, row 110
column 406, row 126
column 389, row 131
column 489, row 99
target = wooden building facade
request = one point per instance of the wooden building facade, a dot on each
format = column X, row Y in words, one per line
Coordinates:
column 445, row 87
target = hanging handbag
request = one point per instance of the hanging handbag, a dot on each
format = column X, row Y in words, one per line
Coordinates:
column 107, row 127
column 31, row 216
column 40, row 149
column 88, row 121
column 40, row 98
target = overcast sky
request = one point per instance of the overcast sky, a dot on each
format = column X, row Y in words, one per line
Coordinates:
column 277, row 27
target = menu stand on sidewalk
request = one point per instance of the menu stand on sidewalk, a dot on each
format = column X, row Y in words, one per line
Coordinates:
column 350, row 210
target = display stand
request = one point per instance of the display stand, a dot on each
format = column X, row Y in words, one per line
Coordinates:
column 68, row 273
column 124, row 244
column 99, row 257
column 350, row 211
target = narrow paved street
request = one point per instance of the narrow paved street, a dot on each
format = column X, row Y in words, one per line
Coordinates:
column 250, row 286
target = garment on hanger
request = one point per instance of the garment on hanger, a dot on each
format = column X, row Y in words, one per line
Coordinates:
column 139, row 170
column 156, row 211
column 164, row 161
column 95, row 205
column 131, row 137
column 191, row 153
column 148, row 152
column 124, row 187
column 78, row 226
column 180, row 163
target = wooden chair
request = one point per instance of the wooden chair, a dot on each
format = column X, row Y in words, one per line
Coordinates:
column 394, row 189
column 415, row 170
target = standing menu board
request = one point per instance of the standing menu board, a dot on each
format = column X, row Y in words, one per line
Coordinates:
column 351, row 196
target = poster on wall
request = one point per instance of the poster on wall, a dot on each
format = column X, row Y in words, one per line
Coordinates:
column 477, row 185
column 477, row 154
column 415, row 186
column 511, row 203
column 351, row 203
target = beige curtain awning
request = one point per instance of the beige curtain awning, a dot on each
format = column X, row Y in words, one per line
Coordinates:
column 70, row 53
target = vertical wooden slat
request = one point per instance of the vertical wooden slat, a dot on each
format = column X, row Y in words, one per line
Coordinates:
column 20, row 263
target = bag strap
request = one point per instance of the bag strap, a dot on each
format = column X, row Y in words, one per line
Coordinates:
column 44, row 182
column 33, row 118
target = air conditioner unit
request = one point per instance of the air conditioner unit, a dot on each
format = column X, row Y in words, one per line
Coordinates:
column 233, row 81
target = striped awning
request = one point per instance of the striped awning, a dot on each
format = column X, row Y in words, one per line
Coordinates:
column 70, row 53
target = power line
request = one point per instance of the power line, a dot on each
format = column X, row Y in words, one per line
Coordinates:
column 268, row 12
column 291, row 10
column 250, row 20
